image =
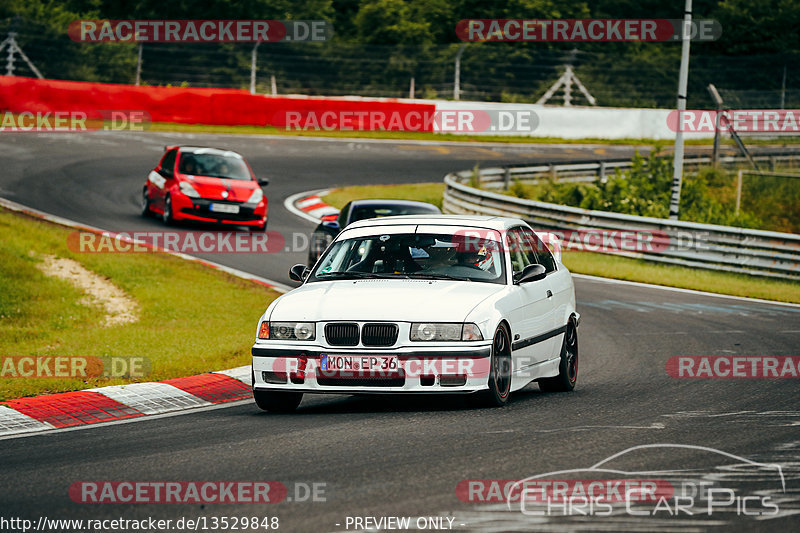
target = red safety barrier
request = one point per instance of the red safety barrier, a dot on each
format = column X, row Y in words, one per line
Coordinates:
column 212, row 106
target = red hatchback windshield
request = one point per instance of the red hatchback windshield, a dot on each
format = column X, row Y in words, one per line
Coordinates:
column 213, row 165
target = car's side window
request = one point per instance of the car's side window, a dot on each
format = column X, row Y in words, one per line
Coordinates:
column 521, row 254
column 543, row 255
column 168, row 163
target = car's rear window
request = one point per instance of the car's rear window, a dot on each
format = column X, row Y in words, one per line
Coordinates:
column 361, row 212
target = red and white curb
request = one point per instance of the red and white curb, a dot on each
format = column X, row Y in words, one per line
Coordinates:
column 309, row 205
column 118, row 402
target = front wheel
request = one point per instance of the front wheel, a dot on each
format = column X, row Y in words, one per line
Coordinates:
column 500, row 370
column 568, row 368
column 277, row 401
column 167, row 216
column 145, row 203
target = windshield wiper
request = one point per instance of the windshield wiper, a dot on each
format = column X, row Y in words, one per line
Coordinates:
column 344, row 275
column 439, row 276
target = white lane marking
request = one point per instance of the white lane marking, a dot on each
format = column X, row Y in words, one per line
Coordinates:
column 311, row 200
column 242, row 373
column 151, row 398
column 322, row 211
column 49, row 432
column 365, row 140
column 289, row 203
column 14, row 422
column 598, row 279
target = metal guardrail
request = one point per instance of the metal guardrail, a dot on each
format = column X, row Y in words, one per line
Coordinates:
column 709, row 246
column 591, row 170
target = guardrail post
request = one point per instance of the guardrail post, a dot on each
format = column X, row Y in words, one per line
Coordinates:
column 739, row 191
column 553, row 172
column 601, row 171
column 772, row 163
column 507, row 179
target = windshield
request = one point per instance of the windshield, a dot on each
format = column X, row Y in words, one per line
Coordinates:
column 413, row 255
column 213, row 165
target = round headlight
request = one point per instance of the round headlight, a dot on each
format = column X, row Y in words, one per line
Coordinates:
column 426, row 332
column 452, row 332
column 303, row 331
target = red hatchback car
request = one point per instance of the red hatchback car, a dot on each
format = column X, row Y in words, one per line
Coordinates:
column 205, row 185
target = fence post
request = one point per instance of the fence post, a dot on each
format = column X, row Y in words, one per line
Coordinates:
column 253, row 56
column 411, row 88
column 457, row 77
column 507, row 179
column 139, row 66
column 273, row 85
column 602, row 171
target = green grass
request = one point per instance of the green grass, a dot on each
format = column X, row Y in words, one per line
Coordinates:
column 423, row 192
column 604, row 265
column 192, row 318
column 617, row 267
column 438, row 137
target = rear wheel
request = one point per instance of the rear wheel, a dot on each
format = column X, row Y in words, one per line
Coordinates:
column 277, row 401
column 568, row 368
column 500, row 372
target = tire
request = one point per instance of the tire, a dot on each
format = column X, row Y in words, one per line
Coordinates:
column 145, row 203
column 277, row 401
column 167, row 216
column 500, row 370
column 568, row 368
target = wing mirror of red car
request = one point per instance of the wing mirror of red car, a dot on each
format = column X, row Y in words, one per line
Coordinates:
column 263, row 182
column 530, row 273
column 299, row 272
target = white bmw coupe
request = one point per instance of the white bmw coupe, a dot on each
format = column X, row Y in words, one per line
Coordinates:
column 421, row 304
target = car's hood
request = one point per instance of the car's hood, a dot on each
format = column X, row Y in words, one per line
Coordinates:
column 377, row 299
column 213, row 188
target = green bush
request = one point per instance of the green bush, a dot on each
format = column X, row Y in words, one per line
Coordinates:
column 709, row 196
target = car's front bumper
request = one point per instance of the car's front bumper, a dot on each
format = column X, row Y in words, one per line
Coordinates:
column 199, row 209
column 428, row 370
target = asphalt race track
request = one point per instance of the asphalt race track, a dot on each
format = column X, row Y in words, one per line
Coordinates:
column 382, row 457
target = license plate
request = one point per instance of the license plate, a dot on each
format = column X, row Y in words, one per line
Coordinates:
column 358, row 363
column 224, row 208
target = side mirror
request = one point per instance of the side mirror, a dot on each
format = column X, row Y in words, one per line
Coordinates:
column 299, row 272
column 331, row 224
column 530, row 273
column 263, row 181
